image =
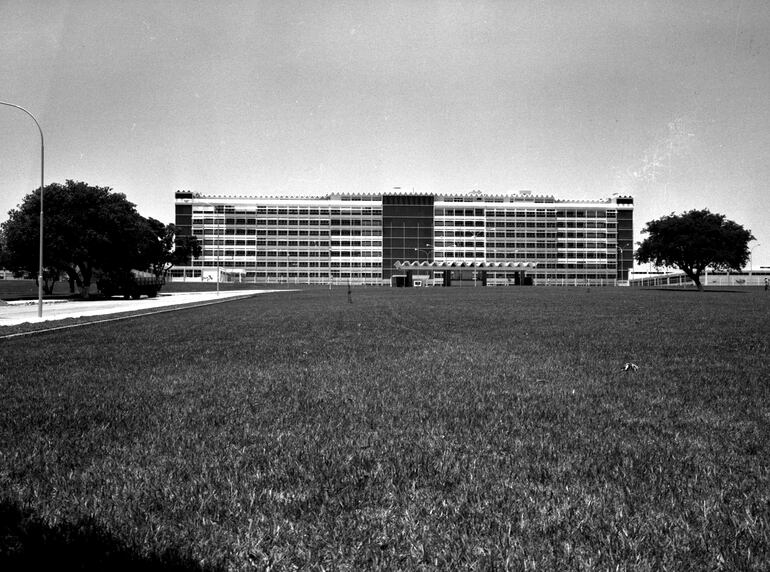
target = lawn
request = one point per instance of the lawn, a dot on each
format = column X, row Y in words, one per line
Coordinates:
column 409, row 429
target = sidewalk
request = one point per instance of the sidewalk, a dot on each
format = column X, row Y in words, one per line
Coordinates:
column 14, row 313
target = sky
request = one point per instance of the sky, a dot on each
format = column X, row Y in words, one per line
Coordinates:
column 665, row 101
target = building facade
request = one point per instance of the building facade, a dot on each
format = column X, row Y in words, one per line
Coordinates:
column 361, row 238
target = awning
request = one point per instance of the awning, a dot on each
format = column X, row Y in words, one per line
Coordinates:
column 446, row 265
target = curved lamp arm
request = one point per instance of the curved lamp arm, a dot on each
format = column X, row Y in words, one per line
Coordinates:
column 42, row 184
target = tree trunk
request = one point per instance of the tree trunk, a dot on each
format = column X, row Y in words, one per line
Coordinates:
column 85, row 272
column 698, row 285
column 74, row 279
column 47, row 284
column 695, row 277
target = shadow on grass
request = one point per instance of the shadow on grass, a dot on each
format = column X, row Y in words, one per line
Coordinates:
column 26, row 543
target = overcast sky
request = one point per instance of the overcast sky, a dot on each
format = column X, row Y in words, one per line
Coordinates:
column 666, row 101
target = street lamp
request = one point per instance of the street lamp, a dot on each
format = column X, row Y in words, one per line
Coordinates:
column 427, row 255
column 427, row 252
column 42, row 179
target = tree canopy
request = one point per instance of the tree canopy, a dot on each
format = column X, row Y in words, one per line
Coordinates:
column 86, row 228
column 694, row 241
column 170, row 248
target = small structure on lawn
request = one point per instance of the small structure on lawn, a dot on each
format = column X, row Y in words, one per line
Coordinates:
column 460, row 273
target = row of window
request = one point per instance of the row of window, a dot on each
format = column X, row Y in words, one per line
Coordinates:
column 292, row 254
column 460, row 254
column 320, row 244
column 439, row 212
column 532, row 213
column 377, row 211
column 357, row 243
column 459, row 244
column 299, row 274
column 563, row 257
column 609, row 255
column 543, row 270
column 356, row 232
column 515, row 245
column 202, row 234
column 528, row 224
column 561, row 234
column 293, row 264
column 304, row 264
column 521, row 213
column 290, row 211
column 507, row 234
column 287, row 222
column 453, row 233
column 523, row 255
column 247, row 223
column 357, row 221
column 464, row 222
column 601, row 245
column 558, row 224
column 469, row 229
column 608, row 276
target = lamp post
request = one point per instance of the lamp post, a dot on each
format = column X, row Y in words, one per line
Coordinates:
column 42, row 184
column 403, row 240
column 427, row 252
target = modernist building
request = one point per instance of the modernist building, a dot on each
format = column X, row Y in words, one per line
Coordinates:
column 372, row 238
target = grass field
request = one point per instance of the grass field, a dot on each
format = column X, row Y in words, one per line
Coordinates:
column 410, row 429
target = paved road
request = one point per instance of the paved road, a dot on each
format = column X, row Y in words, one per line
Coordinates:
column 13, row 313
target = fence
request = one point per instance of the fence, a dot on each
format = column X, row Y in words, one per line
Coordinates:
column 722, row 279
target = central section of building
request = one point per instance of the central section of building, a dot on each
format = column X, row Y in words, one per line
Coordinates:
column 372, row 239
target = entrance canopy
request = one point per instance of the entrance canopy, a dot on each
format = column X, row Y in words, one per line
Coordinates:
column 491, row 266
column 461, row 273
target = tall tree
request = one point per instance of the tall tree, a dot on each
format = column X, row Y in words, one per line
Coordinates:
column 85, row 228
column 167, row 248
column 186, row 247
column 694, row 241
